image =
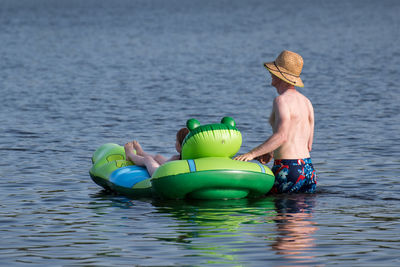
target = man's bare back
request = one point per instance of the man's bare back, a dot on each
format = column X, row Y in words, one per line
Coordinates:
column 293, row 111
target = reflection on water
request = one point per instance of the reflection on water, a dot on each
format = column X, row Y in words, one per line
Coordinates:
column 284, row 230
column 284, row 223
column 295, row 226
column 220, row 231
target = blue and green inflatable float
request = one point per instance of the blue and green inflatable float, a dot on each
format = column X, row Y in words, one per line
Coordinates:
column 206, row 170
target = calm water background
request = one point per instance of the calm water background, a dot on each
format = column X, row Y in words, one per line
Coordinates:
column 77, row 74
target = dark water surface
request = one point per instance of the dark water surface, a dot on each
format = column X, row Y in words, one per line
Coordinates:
column 77, row 74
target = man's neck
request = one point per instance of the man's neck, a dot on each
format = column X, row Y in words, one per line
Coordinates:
column 286, row 89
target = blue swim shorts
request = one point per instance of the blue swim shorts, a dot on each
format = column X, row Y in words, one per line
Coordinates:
column 294, row 176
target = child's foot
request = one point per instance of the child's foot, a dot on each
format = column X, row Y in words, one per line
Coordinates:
column 138, row 148
column 129, row 146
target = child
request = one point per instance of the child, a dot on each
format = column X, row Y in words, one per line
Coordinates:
column 151, row 162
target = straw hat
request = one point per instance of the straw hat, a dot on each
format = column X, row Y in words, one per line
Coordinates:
column 287, row 67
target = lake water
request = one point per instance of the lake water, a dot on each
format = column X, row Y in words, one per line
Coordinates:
column 78, row 74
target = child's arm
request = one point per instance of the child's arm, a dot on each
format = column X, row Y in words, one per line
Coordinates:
column 174, row 157
column 161, row 159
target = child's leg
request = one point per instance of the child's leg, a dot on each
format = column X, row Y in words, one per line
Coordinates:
column 148, row 161
column 133, row 146
column 139, row 149
column 129, row 150
column 130, row 155
column 160, row 159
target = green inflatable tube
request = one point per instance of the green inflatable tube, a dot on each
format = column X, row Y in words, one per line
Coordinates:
column 206, row 170
column 212, row 178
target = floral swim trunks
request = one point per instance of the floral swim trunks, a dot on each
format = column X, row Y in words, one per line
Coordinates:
column 294, row 176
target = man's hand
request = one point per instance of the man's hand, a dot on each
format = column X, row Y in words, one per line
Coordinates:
column 245, row 157
column 264, row 159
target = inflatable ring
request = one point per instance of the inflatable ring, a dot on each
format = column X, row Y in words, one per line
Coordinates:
column 211, row 178
column 206, row 170
column 114, row 173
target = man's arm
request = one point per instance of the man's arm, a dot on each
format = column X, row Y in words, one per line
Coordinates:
column 282, row 124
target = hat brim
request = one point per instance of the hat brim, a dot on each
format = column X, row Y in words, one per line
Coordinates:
column 290, row 79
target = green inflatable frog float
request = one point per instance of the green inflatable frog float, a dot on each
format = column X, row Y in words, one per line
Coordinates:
column 206, row 170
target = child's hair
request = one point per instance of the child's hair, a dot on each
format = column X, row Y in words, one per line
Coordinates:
column 181, row 134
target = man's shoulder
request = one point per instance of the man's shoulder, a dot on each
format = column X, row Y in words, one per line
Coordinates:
column 282, row 98
column 279, row 99
column 302, row 96
column 294, row 98
column 306, row 100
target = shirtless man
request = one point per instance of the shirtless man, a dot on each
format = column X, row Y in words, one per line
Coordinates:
column 292, row 122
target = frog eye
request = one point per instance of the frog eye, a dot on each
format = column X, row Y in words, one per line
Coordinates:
column 228, row 121
column 192, row 124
